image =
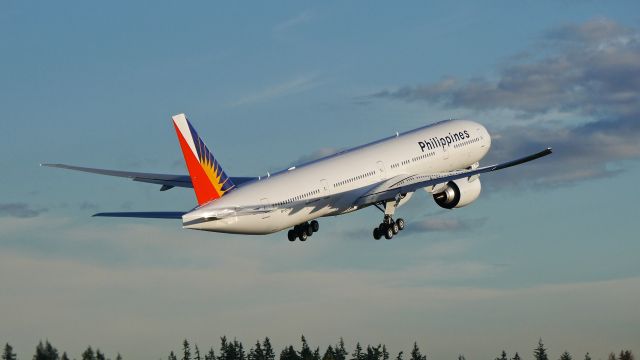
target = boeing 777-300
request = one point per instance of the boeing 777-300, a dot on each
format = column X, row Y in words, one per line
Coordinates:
column 442, row 158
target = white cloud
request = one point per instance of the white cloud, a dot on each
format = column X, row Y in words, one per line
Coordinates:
column 293, row 86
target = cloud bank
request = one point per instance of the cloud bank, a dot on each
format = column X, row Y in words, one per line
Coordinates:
column 589, row 71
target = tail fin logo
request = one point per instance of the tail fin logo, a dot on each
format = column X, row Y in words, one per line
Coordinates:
column 210, row 182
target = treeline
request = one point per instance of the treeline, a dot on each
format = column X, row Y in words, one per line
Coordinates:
column 235, row 350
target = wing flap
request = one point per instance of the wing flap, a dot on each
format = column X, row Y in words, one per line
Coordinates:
column 388, row 190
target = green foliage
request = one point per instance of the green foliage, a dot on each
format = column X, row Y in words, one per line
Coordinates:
column 186, row 350
column 565, row 356
column 516, row 357
column 540, row 353
column 503, row 356
column 8, row 354
column 88, row 354
column 172, row 356
column 626, row 355
column 64, row 356
column 416, row 354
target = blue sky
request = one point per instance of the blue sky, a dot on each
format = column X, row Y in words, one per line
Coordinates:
column 549, row 250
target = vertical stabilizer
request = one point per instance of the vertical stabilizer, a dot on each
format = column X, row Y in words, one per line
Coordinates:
column 209, row 180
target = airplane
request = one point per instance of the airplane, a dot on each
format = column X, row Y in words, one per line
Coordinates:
column 441, row 158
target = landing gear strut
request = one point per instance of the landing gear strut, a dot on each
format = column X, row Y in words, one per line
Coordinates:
column 389, row 227
column 303, row 231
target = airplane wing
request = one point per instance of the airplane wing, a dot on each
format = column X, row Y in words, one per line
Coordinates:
column 168, row 181
column 390, row 189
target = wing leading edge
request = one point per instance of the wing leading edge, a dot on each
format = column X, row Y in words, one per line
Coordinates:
column 167, row 181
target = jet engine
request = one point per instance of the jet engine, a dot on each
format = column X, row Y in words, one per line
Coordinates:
column 458, row 193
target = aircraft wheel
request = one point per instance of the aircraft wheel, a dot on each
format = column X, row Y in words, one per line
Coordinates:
column 315, row 226
column 303, row 236
column 307, row 229
column 400, row 222
column 395, row 228
column 291, row 235
column 388, row 234
column 377, row 234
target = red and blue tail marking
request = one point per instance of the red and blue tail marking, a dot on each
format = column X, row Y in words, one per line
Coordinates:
column 209, row 180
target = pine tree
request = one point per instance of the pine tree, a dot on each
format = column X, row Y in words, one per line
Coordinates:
column 461, row 357
column 8, row 353
column 211, row 355
column 316, row 353
column 100, row 355
column 503, row 356
column 289, row 353
column 516, row 356
column 385, row 353
column 45, row 352
column 64, row 356
column 305, row 352
column 197, row 352
column 340, row 351
column 269, row 354
column 416, row 354
column 612, row 356
column 540, row 353
column 329, row 354
column 357, row 353
column 626, row 355
column 172, row 356
column 88, row 354
column 257, row 353
column 186, row 350
column 118, row 357
column 565, row 356
column 399, row 357
column 587, row 356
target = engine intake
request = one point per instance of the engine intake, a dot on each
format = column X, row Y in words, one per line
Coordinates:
column 458, row 193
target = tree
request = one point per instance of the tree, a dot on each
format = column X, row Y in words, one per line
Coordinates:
column 587, row 356
column 516, row 356
column 64, row 356
column 340, row 351
column 172, row 356
column 565, row 356
column 540, row 353
column 305, row 352
column 269, row 354
column 211, row 355
column 100, row 355
column 503, row 356
column 399, row 357
column 8, row 353
column 461, row 357
column 385, row 353
column 357, row 353
column 88, row 354
column 289, row 353
column 625, row 355
column 197, row 352
column 118, row 357
column 416, row 354
column 186, row 350
column 45, row 351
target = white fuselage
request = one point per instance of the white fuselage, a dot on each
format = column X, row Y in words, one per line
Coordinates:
column 330, row 186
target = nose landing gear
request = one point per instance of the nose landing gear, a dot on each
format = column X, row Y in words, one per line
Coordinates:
column 303, row 231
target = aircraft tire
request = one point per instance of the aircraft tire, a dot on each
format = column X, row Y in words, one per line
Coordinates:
column 303, row 236
column 315, row 225
column 401, row 223
column 377, row 234
column 307, row 229
column 388, row 234
column 395, row 228
column 291, row 235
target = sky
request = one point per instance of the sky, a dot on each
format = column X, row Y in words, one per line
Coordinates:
column 549, row 250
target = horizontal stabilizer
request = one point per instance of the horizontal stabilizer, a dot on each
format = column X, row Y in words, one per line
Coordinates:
column 145, row 215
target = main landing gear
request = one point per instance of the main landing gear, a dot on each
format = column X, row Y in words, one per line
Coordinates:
column 389, row 227
column 303, row 231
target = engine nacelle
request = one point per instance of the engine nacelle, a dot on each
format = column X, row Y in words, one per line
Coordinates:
column 458, row 193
